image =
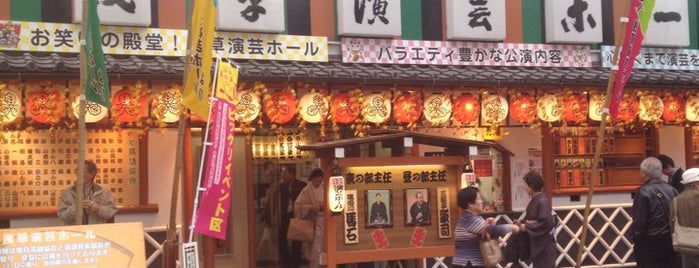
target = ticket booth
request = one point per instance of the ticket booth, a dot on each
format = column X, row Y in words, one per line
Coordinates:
column 387, row 200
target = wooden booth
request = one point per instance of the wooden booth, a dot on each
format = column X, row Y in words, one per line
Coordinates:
column 387, row 170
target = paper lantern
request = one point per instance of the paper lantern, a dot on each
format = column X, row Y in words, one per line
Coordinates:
column 314, row 107
column 437, row 109
column 575, row 107
column 280, row 107
column 10, row 105
column 673, row 108
column 596, row 107
column 494, row 109
column 467, row 108
column 407, row 108
column 45, row 106
column 344, row 108
column 247, row 106
column 377, row 108
column 628, row 108
column 549, row 108
column 126, row 107
column 166, row 106
column 692, row 108
column 523, row 108
column 94, row 112
column 651, row 108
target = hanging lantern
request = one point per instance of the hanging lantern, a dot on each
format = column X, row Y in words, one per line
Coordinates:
column 467, row 108
column 126, row 107
column 596, row 107
column 45, row 106
column 407, row 108
column 247, row 106
column 523, row 108
column 10, row 105
column 692, row 108
column 377, row 108
column 437, row 108
column 494, row 109
column 344, row 108
column 94, row 112
column 166, row 105
column 280, row 107
column 673, row 108
column 314, row 107
column 575, row 107
column 651, row 108
column 549, row 108
column 628, row 108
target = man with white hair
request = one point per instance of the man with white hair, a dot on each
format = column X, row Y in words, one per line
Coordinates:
column 651, row 218
column 686, row 206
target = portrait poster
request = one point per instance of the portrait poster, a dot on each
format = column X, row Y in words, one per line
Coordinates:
column 378, row 209
column 417, row 208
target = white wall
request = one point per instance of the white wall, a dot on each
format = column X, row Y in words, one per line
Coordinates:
column 672, row 144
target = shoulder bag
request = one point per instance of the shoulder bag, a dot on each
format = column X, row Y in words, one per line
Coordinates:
column 301, row 229
column 684, row 239
column 490, row 249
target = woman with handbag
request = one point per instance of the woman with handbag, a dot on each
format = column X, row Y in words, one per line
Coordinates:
column 309, row 205
column 538, row 223
column 471, row 228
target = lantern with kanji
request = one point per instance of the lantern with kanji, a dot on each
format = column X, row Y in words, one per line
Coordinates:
column 377, row 108
column 467, row 108
column 437, row 108
column 46, row 106
column 494, row 109
column 628, row 108
column 345, row 107
column 523, row 108
column 692, row 108
column 673, row 110
column 10, row 104
column 407, row 107
column 280, row 106
column 549, row 108
column 596, row 106
column 313, row 107
column 126, row 107
column 651, row 108
column 575, row 107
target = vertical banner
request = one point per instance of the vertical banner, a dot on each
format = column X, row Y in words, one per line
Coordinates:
column 97, row 80
column 212, row 215
column 351, row 233
column 639, row 15
column 196, row 89
column 444, row 215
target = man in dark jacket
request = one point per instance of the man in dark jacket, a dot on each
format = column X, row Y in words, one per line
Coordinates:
column 289, row 189
column 651, row 218
column 674, row 174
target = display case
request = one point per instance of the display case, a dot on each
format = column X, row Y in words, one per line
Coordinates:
column 570, row 156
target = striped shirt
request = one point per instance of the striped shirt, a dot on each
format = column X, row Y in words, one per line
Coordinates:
column 467, row 238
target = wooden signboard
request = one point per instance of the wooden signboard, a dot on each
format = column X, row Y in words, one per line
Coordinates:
column 96, row 245
column 36, row 166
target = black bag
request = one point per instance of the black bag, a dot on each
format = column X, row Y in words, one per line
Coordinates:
column 523, row 247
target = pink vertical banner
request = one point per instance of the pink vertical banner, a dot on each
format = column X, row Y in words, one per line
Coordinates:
column 212, row 215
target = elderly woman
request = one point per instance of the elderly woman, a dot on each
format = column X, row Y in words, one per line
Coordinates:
column 470, row 227
column 539, row 223
column 309, row 205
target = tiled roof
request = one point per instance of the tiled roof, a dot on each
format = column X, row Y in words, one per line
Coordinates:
column 25, row 64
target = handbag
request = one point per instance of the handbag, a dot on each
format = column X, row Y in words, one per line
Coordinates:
column 300, row 230
column 490, row 249
column 684, row 239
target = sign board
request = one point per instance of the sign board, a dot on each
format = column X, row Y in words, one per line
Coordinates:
column 96, row 245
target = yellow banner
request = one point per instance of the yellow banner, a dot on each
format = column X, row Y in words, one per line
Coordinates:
column 226, row 82
column 96, row 245
column 198, row 77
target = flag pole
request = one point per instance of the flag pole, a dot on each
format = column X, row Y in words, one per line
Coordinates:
column 618, row 39
column 80, row 180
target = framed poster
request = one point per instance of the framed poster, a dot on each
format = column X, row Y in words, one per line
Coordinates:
column 417, row 209
column 378, row 208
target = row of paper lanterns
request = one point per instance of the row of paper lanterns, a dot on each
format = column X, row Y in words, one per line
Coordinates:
column 408, row 107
